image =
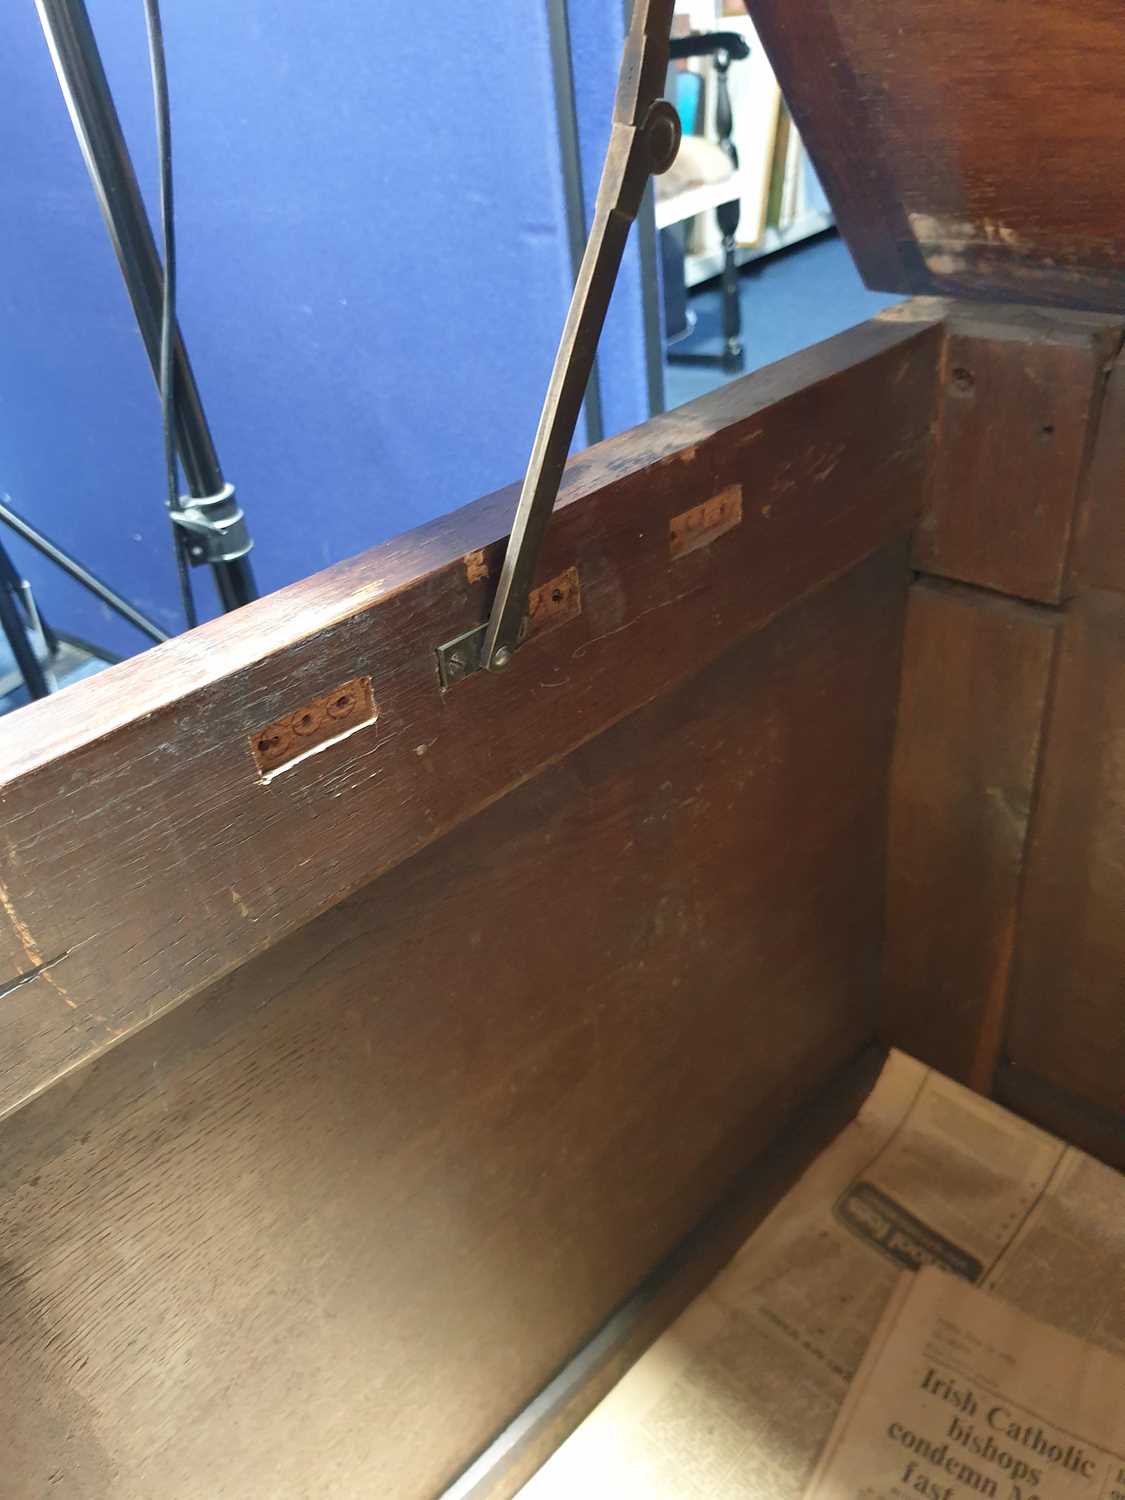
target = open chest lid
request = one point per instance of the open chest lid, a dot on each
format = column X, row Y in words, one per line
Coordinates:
column 969, row 147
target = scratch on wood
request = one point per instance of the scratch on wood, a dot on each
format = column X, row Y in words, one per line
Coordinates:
column 827, row 463
column 34, row 973
column 636, row 620
column 31, row 950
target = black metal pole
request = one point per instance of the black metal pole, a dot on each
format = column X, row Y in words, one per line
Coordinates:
column 78, row 64
column 79, row 573
column 19, row 586
column 12, row 625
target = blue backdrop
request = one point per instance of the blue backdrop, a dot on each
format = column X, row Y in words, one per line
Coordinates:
column 374, row 267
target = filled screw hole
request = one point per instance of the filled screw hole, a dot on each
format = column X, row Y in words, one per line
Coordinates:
column 288, row 740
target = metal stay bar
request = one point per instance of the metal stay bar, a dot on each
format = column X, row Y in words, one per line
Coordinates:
column 643, row 143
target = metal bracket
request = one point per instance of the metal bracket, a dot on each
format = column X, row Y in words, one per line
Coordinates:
column 215, row 526
column 644, row 142
column 460, row 657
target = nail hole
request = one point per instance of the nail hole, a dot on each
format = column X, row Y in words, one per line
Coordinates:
column 962, row 380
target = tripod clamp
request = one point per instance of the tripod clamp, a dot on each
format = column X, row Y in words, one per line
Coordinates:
column 214, row 527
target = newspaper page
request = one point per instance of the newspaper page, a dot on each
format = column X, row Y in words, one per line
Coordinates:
column 738, row 1397
column 961, row 1396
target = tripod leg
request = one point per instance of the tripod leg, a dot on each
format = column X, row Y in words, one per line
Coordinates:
column 732, row 307
column 729, row 216
column 11, row 623
column 11, row 579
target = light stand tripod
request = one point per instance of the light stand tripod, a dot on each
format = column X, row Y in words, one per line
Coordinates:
column 20, row 619
column 209, row 523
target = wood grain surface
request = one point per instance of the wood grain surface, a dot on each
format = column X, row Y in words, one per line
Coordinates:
column 966, row 147
column 1098, row 1132
column 976, row 672
column 328, row 1226
column 1068, row 1012
column 526, row 1444
column 143, row 856
column 1100, row 549
column 1018, row 404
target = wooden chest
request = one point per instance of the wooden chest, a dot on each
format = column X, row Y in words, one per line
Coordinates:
column 372, row 1051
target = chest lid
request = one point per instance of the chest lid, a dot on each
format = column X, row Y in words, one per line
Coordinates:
column 969, row 147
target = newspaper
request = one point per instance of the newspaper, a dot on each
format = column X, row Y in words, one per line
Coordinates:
column 738, row 1397
column 960, row 1396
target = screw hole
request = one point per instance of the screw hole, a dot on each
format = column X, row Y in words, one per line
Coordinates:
column 556, row 596
column 962, row 380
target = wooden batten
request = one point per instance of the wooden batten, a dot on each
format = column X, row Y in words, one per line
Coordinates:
column 976, row 674
column 1019, row 400
column 1007, row 816
column 1068, row 1009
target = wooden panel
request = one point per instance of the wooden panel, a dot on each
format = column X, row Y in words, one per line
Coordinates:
column 1068, row 1016
column 526, row 1444
column 1100, row 549
column 967, row 147
column 142, row 854
column 324, row 1229
column 1014, row 420
column 1099, row 1132
column 975, row 679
